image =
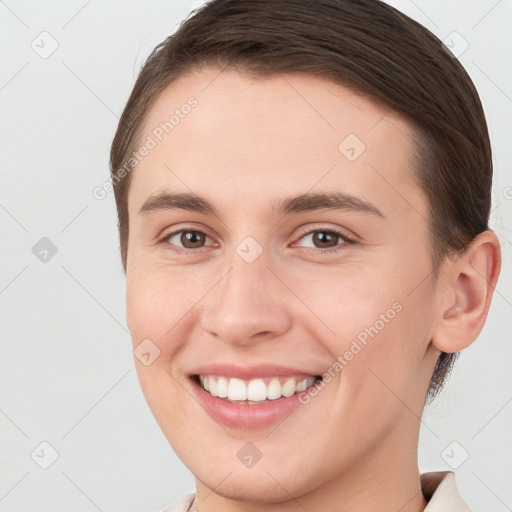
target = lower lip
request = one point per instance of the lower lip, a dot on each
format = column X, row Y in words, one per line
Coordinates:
column 243, row 415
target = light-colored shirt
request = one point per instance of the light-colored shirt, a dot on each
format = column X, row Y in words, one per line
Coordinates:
column 438, row 488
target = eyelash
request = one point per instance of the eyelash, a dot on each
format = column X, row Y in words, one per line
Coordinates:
column 346, row 240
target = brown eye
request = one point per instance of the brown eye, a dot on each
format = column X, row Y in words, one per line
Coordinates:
column 186, row 239
column 192, row 239
column 325, row 239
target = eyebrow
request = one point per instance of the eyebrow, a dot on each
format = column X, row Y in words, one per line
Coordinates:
column 303, row 203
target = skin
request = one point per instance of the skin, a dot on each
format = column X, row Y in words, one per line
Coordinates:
column 249, row 143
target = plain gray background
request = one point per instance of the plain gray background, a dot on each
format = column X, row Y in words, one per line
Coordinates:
column 67, row 374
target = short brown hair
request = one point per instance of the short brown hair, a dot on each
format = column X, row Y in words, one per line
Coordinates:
column 366, row 45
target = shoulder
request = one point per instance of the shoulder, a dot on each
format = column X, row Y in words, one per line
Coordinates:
column 440, row 491
column 184, row 505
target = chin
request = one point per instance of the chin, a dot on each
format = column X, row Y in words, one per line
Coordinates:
column 260, row 489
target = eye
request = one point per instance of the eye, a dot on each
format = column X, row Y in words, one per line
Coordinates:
column 319, row 240
column 185, row 240
column 326, row 240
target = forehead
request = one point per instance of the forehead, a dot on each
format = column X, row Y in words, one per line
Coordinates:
column 255, row 136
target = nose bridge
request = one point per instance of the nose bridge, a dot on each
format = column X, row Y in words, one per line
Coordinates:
column 246, row 304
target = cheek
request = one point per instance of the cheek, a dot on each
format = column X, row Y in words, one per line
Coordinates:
column 351, row 302
column 379, row 330
column 158, row 301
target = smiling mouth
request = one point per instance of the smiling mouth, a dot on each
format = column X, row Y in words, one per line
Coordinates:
column 254, row 391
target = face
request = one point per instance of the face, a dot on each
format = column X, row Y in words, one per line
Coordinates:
column 278, row 256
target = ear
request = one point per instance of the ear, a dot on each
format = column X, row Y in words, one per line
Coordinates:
column 468, row 284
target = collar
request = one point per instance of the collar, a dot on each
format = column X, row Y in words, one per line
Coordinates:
column 440, row 491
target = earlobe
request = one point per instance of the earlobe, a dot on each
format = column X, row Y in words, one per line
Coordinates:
column 470, row 281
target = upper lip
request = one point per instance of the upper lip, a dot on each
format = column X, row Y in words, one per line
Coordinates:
column 248, row 372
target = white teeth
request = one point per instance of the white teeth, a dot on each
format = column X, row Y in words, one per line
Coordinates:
column 289, row 387
column 255, row 390
column 301, row 386
column 213, row 386
column 222, row 387
column 274, row 389
column 236, row 389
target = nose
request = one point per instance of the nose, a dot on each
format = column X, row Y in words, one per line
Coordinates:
column 248, row 305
